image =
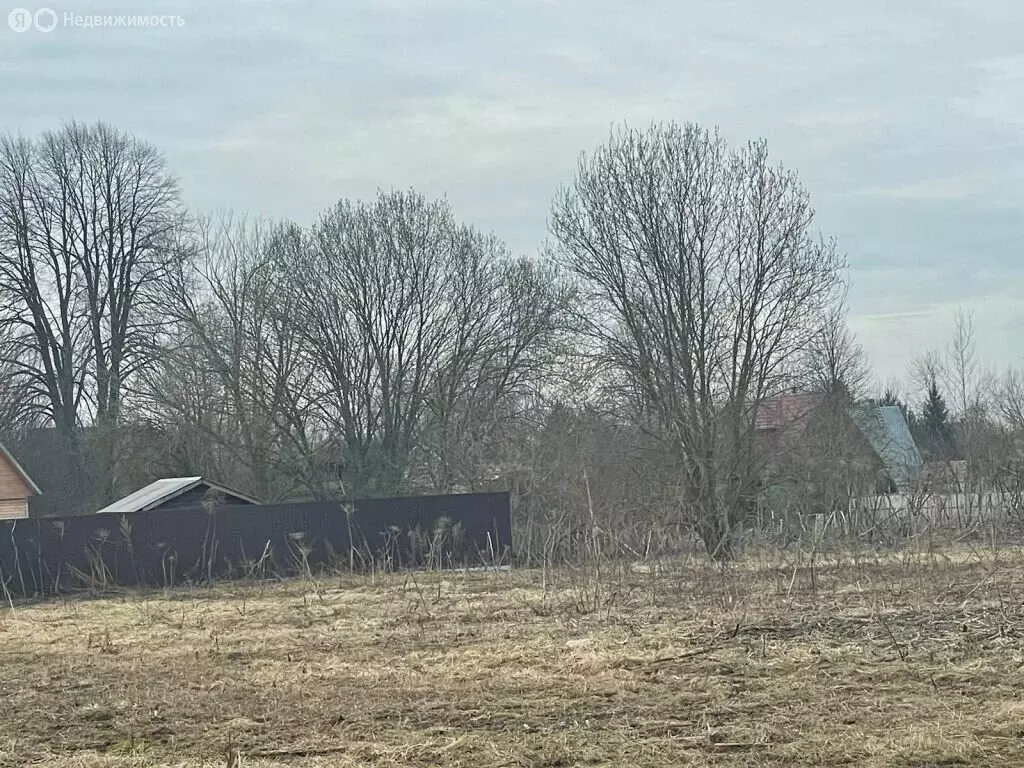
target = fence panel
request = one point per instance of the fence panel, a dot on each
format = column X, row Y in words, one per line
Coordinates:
column 186, row 545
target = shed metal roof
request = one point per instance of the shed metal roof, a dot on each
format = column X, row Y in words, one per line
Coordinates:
column 162, row 491
column 887, row 430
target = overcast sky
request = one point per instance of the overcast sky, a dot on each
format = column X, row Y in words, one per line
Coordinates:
column 906, row 125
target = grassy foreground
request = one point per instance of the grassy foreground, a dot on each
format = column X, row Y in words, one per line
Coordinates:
column 913, row 659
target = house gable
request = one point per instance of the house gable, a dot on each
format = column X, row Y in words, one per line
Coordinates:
column 15, row 487
column 812, row 451
column 15, row 482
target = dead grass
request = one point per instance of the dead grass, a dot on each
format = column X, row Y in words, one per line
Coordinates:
column 909, row 660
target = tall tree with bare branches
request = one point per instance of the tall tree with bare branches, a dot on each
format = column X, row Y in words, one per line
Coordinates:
column 386, row 348
column 234, row 385
column 834, row 362
column 421, row 332
column 705, row 281
column 89, row 226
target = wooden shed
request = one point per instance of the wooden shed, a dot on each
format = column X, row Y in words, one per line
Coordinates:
column 15, row 487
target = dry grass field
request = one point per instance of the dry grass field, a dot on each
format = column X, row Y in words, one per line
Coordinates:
column 912, row 659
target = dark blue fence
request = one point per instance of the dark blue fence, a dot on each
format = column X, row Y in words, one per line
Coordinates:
column 164, row 548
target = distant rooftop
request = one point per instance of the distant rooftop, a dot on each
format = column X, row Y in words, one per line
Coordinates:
column 887, row 430
column 785, row 410
column 161, row 491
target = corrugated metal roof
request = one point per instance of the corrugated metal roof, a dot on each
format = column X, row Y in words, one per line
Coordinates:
column 161, row 491
column 887, row 431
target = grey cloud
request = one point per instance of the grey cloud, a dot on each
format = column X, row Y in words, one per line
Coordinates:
column 904, row 121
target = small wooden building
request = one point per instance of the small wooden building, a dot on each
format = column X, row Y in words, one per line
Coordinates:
column 15, row 487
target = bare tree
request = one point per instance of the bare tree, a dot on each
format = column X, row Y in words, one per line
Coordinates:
column 957, row 372
column 89, row 221
column 235, row 383
column 183, row 397
column 1006, row 437
column 834, row 362
column 955, row 369
column 963, row 373
column 1008, row 397
column 511, row 329
column 704, row 282
column 41, row 288
column 18, row 410
column 926, row 369
column 375, row 314
column 386, row 348
column 420, row 332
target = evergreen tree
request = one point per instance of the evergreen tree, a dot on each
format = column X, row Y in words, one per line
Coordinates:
column 935, row 425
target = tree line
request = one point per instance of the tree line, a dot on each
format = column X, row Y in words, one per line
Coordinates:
column 392, row 348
